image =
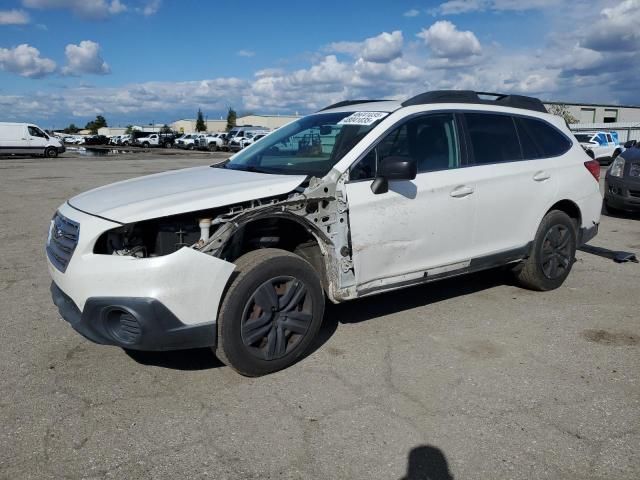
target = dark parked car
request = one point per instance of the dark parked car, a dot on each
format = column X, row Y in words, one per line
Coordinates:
column 96, row 140
column 622, row 181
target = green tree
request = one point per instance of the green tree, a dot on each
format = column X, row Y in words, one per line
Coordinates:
column 562, row 110
column 71, row 129
column 165, row 129
column 94, row 125
column 200, row 125
column 231, row 119
column 129, row 130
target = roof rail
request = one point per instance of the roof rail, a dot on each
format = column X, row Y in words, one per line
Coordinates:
column 346, row 103
column 469, row 96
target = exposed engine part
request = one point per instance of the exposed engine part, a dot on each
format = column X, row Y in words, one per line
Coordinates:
column 138, row 252
column 205, row 227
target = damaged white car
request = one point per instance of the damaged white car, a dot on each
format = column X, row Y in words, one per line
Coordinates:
column 360, row 198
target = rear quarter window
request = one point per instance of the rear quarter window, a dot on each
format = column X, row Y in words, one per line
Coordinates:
column 493, row 138
column 540, row 139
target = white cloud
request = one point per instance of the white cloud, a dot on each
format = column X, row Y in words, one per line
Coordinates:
column 116, row 6
column 411, row 13
column 26, row 61
column 246, row 53
column 14, row 17
column 90, row 9
column 382, row 48
column 85, row 58
column 151, row 8
column 445, row 40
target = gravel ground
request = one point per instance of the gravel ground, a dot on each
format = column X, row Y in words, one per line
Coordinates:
column 467, row 378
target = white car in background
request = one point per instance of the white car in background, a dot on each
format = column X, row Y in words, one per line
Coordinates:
column 211, row 141
column 28, row 139
column 354, row 200
column 601, row 146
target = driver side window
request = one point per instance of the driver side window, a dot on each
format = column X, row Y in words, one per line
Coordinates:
column 430, row 139
column 34, row 132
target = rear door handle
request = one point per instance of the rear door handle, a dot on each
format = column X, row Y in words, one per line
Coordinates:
column 462, row 191
column 541, row 176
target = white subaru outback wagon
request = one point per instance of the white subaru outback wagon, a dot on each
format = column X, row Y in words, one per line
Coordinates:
column 360, row 198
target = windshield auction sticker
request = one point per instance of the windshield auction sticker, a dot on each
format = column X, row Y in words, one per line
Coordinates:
column 363, row 118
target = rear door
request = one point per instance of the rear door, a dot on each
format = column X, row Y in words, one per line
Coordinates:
column 516, row 178
column 421, row 227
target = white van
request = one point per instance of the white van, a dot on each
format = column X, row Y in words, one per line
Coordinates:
column 27, row 139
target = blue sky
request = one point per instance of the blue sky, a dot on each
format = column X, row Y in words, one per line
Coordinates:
column 137, row 61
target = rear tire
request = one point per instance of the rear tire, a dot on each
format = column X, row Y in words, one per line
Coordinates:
column 271, row 312
column 552, row 254
column 51, row 152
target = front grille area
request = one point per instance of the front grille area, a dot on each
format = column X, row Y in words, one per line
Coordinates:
column 62, row 241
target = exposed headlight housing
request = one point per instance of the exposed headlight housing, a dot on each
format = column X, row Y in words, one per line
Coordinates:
column 617, row 167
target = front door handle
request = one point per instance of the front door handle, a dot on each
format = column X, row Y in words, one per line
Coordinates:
column 462, row 191
column 541, row 176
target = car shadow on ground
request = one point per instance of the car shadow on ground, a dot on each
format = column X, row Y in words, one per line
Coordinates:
column 617, row 256
column 355, row 311
column 189, row 360
column 363, row 309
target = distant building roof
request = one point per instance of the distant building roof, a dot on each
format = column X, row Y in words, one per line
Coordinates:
column 590, row 104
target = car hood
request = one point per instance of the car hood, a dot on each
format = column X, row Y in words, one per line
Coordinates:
column 180, row 191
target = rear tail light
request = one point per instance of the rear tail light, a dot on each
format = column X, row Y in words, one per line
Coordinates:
column 594, row 168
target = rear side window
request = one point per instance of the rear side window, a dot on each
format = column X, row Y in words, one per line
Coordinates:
column 540, row 140
column 493, row 138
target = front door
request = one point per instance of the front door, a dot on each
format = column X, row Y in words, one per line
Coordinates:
column 421, row 227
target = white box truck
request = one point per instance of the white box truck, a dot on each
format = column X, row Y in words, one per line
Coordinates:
column 27, row 139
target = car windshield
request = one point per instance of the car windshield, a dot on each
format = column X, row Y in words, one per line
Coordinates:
column 311, row 145
column 583, row 138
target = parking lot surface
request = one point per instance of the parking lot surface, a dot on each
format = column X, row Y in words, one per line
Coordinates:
column 466, row 378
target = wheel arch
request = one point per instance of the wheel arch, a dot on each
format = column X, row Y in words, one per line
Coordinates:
column 571, row 209
column 280, row 230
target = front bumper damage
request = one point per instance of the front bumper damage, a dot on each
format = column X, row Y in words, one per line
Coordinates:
column 134, row 323
column 172, row 300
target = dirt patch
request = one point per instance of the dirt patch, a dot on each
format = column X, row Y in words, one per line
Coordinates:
column 615, row 339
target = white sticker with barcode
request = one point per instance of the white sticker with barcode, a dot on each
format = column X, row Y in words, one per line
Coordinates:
column 362, row 118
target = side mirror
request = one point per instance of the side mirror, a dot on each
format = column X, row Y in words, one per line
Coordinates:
column 630, row 143
column 393, row 168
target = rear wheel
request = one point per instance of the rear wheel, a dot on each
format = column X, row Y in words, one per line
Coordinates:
column 552, row 254
column 51, row 152
column 271, row 312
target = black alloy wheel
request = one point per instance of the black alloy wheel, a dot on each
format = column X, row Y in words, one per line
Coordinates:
column 552, row 253
column 276, row 317
column 271, row 312
column 556, row 254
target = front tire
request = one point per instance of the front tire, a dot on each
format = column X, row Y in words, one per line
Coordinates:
column 271, row 312
column 552, row 254
column 51, row 152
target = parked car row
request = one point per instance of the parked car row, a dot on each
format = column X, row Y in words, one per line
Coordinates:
column 234, row 141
